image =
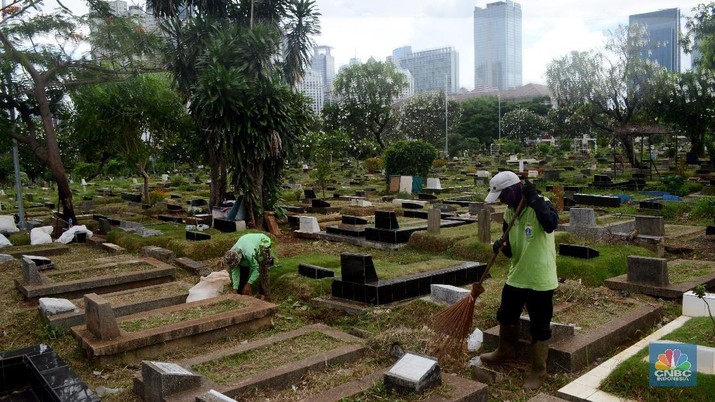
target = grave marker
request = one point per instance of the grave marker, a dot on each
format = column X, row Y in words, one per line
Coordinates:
column 577, row 251
column 357, row 268
column 434, row 220
column 318, row 203
column 413, row 373
column 308, row 224
column 647, row 270
column 309, row 194
column 99, row 318
column 484, row 225
column 386, row 220
column 406, row 184
column 164, row 379
column 582, row 217
column 448, row 293
column 650, row 225
column 30, row 273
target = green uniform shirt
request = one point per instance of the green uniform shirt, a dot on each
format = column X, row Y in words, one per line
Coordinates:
column 533, row 261
column 250, row 245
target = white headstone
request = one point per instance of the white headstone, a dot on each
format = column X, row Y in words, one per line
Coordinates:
column 165, row 177
column 2, row 192
column 135, row 181
column 172, row 368
column 521, row 166
column 693, row 306
column 51, row 306
column 434, row 183
column 359, row 202
column 406, row 184
column 533, row 173
column 84, row 183
column 309, row 224
column 513, row 157
column 483, row 173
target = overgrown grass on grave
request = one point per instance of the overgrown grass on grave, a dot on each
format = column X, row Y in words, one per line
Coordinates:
column 191, row 313
column 241, row 365
column 378, row 392
column 612, row 261
column 631, row 378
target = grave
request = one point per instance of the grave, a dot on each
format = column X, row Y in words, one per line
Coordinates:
column 361, row 286
column 308, row 224
column 228, row 226
column 197, row 236
column 318, row 206
column 314, row 272
column 309, row 194
column 654, row 205
column 212, row 368
column 41, row 263
column 352, row 226
column 577, row 251
column 37, row 373
column 573, row 352
column 100, row 278
column 125, row 302
column 605, row 201
column 710, row 231
column 152, row 333
column 45, row 250
column 387, row 229
column 652, row 276
column 448, row 293
column 194, row 267
column 582, row 223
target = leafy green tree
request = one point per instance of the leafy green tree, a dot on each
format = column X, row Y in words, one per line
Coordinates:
column 409, row 158
column 364, row 94
column 480, row 119
column 235, row 63
column 610, row 93
column 422, row 117
column 36, row 72
column 701, row 35
column 522, row 125
column 133, row 119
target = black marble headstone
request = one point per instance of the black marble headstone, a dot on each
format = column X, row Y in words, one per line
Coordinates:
column 309, row 194
column 314, row 272
column 598, row 200
column 353, row 220
column 411, row 205
column 197, row 203
column 710, row 231
column 426, row 197
column 650, row 205
column 357, row 268
column 197, row 236
column 386, row 220
column 578, row 251
column 318, row 203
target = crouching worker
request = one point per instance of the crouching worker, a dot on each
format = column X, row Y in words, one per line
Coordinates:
column 248, row 262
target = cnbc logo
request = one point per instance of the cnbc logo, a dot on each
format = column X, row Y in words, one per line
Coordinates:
column 673, row 364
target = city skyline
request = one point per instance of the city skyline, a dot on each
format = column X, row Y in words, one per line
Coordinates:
column 550, row 29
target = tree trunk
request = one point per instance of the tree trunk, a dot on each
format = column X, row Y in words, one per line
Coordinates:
column 64, row 193
column 629, row 150
column 254, row 200
column 145, row 184
column 218, row 177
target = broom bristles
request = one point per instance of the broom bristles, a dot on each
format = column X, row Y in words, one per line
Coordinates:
column 456, row 321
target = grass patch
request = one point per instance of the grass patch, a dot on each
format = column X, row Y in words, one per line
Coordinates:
column 93, row 273
column 631, row 378
column 242, row 365
column 601, row 303
column 688, row 270
column 611, row 262
column 143, row 295
column 378, row 392
column 191, row 313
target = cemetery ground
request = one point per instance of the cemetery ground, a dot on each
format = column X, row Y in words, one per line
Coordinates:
column 581, row 300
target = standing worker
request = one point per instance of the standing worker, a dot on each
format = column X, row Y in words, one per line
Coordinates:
column 244, row 261
column 532, row 279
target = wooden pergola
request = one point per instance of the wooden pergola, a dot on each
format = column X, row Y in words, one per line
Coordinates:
column 646, row 131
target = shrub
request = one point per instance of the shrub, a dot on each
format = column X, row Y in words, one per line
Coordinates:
column 374, row 165
column 439, row 163
column 704, row 208
column 176, row 180
column 83, row 170
column 409, row 158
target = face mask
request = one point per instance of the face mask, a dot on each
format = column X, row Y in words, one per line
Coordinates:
column 511, row 195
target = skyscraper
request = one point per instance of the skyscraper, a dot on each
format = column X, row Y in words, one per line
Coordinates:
column 323, row 64
column 431, row 70
column 497, row 45
column 312, row 87
column 663, row 29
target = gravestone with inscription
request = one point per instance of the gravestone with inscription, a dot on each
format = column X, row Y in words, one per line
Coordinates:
column 413, row 373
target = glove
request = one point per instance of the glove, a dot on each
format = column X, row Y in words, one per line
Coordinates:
column 496, row 247
column 529, row 191
column 247, row 289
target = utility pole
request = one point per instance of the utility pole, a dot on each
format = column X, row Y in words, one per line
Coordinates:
column 446, row 119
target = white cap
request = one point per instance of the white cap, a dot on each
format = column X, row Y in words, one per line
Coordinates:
column 499, row 182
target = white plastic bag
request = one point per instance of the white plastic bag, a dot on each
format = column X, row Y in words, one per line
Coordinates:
column 4, row 242
column 209, row 286
column 474, row 342
column 7, row 224
column 41, row 235
column 68, row 235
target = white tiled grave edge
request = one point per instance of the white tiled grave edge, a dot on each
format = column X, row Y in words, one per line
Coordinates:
column 586, row 386
column 693, row 306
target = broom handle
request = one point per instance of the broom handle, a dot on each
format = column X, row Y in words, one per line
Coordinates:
column 503, row 239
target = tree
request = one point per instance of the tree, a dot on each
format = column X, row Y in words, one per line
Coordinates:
column 365, row 93
column 422, row 117
column 37, row 72
column 409, row 158
column 522, row 125
column 612, row 93
column 134, row 119
column 701, row 35
column 227, row 61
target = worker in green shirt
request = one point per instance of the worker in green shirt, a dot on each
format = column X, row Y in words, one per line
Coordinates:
column 532, row 279
column 244, row 261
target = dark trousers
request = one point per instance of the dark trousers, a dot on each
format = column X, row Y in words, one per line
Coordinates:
column 243, row 275
column 539, row 305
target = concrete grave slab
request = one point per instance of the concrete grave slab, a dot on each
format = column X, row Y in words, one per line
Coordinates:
column 671, row 290
column 647, row 270
column 650, row 225
column 99, row 318
column 113, row 248
column 308, row 224
column 4, row 258
column 195, row 267
column 51, row 306
column 140, row 343
column 159, row 253
column 349, row 350
column 46, row 250
column 163, row 379
column 693, row 306
column 214, row 396
column 574, row 353
column 126, row 302
column 448, row 293
column 42, row 263
column 413, row 373
column 30, row 272
column 137, row 272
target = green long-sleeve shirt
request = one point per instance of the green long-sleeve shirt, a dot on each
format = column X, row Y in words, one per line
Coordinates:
column 250, row 246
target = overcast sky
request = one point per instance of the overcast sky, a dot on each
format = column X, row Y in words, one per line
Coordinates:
column 550, row 28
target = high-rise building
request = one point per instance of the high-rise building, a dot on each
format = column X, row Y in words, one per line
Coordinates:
column 323, row 64
column 663, row 28
column 497, row 46
column 312, row 87
column 432, row 70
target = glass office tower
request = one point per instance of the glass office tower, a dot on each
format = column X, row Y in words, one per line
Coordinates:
column 497, row 46
column 663, row 29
